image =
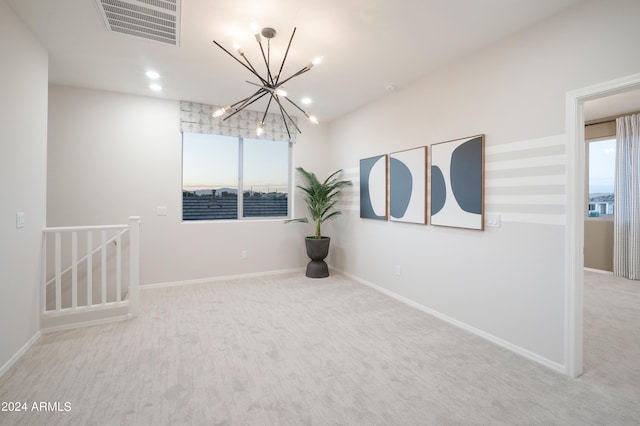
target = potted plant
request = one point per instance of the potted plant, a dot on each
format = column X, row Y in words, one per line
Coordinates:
column 321, row 198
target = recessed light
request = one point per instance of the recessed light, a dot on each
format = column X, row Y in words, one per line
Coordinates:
column 153, row 74
column 306, row 101
column 155, row 87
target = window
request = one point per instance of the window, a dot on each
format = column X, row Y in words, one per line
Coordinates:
column 215, row 169
column 601, row 167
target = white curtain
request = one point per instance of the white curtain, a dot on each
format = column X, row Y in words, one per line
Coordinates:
column 626, row 234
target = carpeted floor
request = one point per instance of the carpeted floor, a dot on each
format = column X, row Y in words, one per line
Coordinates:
column 286, row 350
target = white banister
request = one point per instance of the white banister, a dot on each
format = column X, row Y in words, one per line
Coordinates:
column 91, row 252
column 70, row 297
column 58, row 273
column 103, row 266
column 89, row 258
column 74, row 269
column 118, row 267
column 134, row 265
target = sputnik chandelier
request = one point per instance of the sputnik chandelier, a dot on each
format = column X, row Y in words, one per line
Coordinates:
column 269, row 85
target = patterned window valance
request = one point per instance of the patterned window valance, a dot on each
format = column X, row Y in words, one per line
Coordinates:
column 197, row 118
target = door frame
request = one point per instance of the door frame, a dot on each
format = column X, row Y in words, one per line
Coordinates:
column 574, row 234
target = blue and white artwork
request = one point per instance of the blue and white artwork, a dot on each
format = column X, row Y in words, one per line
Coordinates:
column 407, row 186
column 373, row 188
column 457, row 183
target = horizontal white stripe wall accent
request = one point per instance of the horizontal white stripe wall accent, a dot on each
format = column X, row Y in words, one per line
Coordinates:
column 514, row 170
column 525, row 181
column 554, row 160
column 557, row 140
column 527, row 199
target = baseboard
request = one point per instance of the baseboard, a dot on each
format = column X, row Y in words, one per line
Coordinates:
column 87, row 323
column 487, row 336
column 7, row 365
column 222, row 278
column 599, row 271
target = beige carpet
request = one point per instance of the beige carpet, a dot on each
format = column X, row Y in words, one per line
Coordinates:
column 286, row 350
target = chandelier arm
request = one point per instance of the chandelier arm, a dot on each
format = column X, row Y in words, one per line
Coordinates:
column 302, row 71
column 239, row 61
column 285, row 56
column 284, row 120
column 247, row 99
column 295, row 105
column 259, row 85
column 252, row 99
column 253, row 70
column 267, row 109
column 266, row 63
column 284, row 112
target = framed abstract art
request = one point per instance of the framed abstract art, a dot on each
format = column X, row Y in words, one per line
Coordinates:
column 408, row 186
column 373, row 187
column 457, row 183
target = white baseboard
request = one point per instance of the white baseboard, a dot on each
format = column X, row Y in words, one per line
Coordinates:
column 7, row 365
column 89, row 323
column 599, row 271
column 487, row 336
column 222, row 278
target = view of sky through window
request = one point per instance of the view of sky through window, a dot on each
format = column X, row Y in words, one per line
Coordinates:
column 602, row 157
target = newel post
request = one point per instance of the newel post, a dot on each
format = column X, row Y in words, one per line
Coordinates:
column 134, row 265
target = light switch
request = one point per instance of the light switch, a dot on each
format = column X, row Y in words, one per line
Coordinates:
column 493, row 220
column 161, row 210
column 20, row 220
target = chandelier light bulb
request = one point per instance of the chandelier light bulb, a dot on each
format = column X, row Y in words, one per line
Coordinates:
column 260, row 129
column 312, row 119
column 152, row 74
column 219, row 112
column 281, row 92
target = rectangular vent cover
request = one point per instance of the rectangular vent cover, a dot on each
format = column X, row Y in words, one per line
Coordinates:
column 157, row 20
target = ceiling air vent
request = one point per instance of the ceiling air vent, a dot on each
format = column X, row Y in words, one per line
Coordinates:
column 157, row 20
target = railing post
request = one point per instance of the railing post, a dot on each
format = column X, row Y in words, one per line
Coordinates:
column 43, row 288
column 134, row 265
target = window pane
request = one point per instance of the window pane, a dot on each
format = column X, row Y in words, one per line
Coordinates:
column 209, row 177
column 265, row 175
column 602, row 164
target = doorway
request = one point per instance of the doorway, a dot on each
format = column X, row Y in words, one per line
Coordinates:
column 574, row 236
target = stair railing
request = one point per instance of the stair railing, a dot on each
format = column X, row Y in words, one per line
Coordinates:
column 74, row 280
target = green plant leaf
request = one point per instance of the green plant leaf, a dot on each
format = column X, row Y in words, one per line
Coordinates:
column 321, row 198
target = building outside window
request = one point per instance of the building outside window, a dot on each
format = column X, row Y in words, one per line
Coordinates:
column 224, row 175
column 601, row 166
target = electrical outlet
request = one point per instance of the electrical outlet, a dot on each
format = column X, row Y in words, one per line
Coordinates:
column 20, row 220
column 244, row 254
column 398, row 270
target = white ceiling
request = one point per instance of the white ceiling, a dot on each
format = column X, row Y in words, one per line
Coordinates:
column 366, row 45
column 626, row 102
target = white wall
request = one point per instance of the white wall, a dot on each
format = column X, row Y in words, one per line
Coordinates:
column 23, row 148
column 507, row 282
column 113, row 155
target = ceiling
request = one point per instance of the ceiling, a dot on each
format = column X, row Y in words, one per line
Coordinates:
column 610, row 106
column 367, row 45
